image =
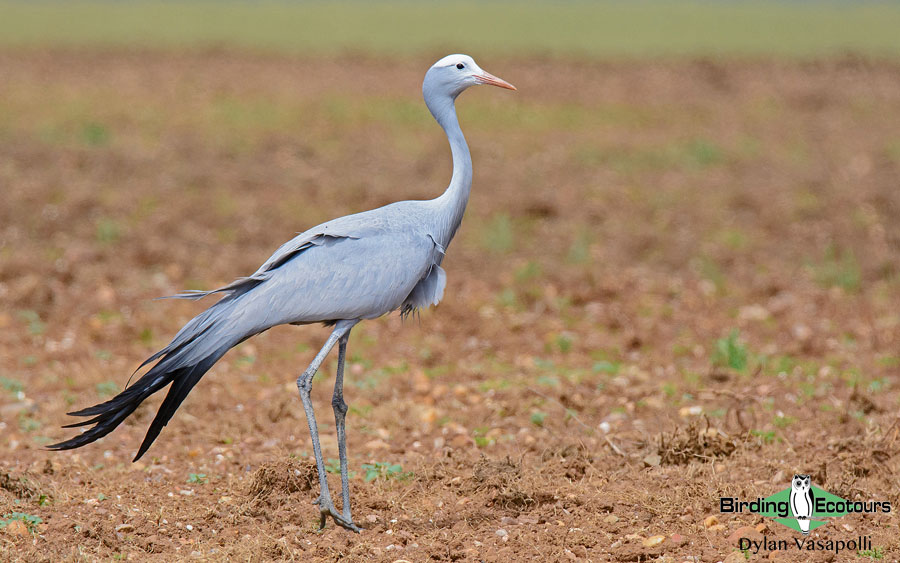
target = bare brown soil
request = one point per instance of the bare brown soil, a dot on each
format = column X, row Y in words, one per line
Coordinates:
column 573, row 397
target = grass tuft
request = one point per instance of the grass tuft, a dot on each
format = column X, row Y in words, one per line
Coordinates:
column 731, row 352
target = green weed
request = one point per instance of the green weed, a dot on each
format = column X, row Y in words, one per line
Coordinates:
column 198, row 478
column 95, row 134
column 35, row 325
column 669, row 389
column 146, row 336
column 14, row 386
column 529, row 271
column 481, row 440
column 605, row 366
column 29, row 424
column 384, row 470
column 361, row 411
column 838, row 268
column 783, row 421
column 107, row 231
column 508, row 299
column 245, row 360
column 548, row 381
column 730, row 352
column 765, row 436
column 563, row 343
column 874, row 553
column 333, row 465
column 885, row 361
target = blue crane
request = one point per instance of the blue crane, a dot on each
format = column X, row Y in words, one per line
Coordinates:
column 339, row 273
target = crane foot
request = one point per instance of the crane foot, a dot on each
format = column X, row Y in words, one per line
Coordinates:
column 326, row 509
column 339, row 520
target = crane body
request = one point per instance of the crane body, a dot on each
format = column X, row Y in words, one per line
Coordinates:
column 341, row 272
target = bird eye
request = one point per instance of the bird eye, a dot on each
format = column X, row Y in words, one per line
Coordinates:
column 460, row 66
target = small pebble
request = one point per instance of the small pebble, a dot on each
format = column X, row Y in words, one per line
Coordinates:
column 502, row 533
column 652, row 460
column 695, row 410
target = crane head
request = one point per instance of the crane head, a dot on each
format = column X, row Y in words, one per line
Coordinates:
column 454, row 73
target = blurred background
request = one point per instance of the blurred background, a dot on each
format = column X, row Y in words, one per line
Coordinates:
column 678, row 271
column 586, row 29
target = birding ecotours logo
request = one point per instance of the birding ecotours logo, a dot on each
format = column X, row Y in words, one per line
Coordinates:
column 802, row 506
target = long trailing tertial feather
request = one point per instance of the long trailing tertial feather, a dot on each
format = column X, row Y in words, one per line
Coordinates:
column 181, row 364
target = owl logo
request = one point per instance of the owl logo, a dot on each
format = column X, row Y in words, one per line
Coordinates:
column 802, row 501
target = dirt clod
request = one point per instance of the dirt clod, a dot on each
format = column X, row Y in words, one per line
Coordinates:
column 283, row 477
column 16, row 528
column 698, row 441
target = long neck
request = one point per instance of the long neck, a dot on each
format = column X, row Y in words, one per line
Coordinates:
column 452, row 203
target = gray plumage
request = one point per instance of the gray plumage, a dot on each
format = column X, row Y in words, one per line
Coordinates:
column 343, row 271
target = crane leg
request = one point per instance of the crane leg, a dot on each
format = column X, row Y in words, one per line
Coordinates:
column 304, row 384
column 340, row 413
